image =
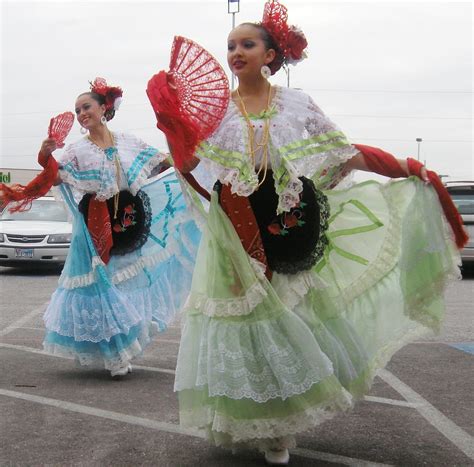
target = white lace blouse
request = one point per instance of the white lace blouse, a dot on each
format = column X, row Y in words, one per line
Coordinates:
column 303, row 142
column 90, row 169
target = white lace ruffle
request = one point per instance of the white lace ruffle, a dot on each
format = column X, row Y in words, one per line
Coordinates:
column 290, row 196
column 132, row 270
column 251, row 431
column 292, row 288
column 74, row 282
column 297, row 119
column 222, row 307
column 238, row 187
column 84, row 156
column 142, row 179
column 112, row 361
column 258, row 267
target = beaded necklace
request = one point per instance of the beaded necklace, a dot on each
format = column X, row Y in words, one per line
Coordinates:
column 254, row 146
column 111, row 152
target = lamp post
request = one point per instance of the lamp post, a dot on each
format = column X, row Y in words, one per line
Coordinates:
column 233, row 7
column 419, row 140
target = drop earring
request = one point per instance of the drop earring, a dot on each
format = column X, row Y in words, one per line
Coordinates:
column 265, row 71
column 103, row 120
column 83, row 130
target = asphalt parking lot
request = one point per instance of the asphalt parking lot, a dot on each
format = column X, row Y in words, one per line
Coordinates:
column 419, row 412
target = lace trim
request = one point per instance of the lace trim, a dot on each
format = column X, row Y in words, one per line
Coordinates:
column 271, row 391
column 240, row 187
column 241, row 306
column 386, row 259
column 289, row 197
column 255, row 431
column 142, row 177
column 121, row 358
column 128, row 272
column 84, row 280
column 258, row 267
column 143, row 262
column 292, row 289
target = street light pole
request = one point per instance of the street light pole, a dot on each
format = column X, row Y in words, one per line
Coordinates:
column 233, row 7
column 419, row 140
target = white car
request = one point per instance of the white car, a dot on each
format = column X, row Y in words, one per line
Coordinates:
column 462, row 193
column 42, row 234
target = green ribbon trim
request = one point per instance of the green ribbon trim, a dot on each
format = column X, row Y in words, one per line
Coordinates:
column 228, row 159
column 376, row 223
column 264, row 114
column 316, row 150
column 298, row 146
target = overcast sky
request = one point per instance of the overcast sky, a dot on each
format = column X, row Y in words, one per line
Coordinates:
column 385, row 72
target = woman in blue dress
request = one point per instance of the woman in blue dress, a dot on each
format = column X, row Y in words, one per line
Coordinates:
column 133, row 243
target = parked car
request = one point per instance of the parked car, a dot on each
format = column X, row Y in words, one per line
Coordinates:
column 42, row 234
column 462, row 193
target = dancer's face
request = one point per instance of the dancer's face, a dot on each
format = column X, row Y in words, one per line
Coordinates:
column 88, row 111
column 246, row 51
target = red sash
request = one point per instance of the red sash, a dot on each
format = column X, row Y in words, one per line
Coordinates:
column 240, row 213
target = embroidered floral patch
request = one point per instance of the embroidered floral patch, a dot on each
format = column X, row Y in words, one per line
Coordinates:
column 288, row 220
column 127, row 219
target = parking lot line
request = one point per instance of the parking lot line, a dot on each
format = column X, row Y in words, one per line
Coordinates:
column 23, row 320
column 328, row 457
column 23, row 348
column 384, row 400
column 167, row 427
column 460, row 438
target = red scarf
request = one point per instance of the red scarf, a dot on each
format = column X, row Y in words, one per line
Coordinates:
column 383, row 163
column 23, row 195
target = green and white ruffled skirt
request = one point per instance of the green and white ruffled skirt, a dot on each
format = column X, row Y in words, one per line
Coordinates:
column 261, row 361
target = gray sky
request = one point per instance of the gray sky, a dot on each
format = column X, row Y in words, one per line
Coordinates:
column 385, row 72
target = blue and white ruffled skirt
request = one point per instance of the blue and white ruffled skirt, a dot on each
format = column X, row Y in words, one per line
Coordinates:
column 107, row 314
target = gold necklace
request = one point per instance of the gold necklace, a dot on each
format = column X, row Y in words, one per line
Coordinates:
column 254, row 146
column 118, row 168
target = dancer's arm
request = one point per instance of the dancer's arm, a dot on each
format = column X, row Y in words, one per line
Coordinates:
column 358, row 162
column 46, row 151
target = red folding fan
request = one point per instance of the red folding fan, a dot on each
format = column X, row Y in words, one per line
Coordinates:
column 190, row 99
column 60, row 126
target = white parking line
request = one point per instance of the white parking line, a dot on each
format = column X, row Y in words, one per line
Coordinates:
column 328, row 457
column 23, row 320
column 23, row 348
column 462, row 440
column 384, row 400
column 167, row 427
column 96, row 412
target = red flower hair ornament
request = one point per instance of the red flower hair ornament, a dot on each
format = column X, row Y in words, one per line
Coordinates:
column 111, row 94
column 290, row 40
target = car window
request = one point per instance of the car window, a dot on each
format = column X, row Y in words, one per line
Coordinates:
column 464, row 201
column 41, row 210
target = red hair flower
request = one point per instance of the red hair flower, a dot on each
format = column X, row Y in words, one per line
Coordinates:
column 112, row 94
column 290, row 40
column 296, row 44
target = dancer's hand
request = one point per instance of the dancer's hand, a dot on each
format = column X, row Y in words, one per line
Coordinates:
column 47, row 148
column 424, row 175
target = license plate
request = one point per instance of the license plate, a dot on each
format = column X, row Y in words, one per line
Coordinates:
column 24, row 252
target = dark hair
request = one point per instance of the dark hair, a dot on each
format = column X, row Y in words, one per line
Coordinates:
column 270, row 43
column 100, row 99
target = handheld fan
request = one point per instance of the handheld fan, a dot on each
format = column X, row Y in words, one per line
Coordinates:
column 60, row 126
column 190, row 99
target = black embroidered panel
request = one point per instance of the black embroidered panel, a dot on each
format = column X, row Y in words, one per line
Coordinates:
column 131, row 227
column 296, row 240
